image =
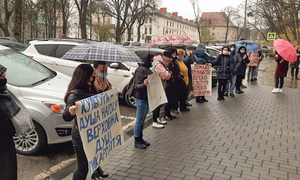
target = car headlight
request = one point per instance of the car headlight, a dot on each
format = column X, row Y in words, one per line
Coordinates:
column 58, row 108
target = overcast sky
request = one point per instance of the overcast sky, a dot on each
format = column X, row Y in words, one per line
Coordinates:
column 185, row 9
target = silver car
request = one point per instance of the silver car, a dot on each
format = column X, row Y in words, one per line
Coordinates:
column 41, row 91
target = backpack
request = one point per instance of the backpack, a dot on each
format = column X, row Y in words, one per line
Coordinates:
column 131, row 87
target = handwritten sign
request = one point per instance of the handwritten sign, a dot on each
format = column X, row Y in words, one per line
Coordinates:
column 202, row 79
column 156, row 92
column 100, row 127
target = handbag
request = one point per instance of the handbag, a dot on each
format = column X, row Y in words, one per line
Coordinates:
column 22, row 120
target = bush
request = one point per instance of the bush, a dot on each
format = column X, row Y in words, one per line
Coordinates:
column 270, row 54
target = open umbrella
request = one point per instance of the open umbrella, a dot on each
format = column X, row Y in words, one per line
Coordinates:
column 102, row 51
column 251, row 46
column 171, row 39
column 285, row 49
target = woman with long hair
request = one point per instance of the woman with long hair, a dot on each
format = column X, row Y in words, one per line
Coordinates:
column 79, row 88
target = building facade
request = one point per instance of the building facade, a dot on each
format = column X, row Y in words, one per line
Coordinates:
column 162, row 23
column 216, row 22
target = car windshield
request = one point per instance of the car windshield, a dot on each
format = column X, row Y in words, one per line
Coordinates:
column 132, row 64
column 212, row 52
column 22, row 70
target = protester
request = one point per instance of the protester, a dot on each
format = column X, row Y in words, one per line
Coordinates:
column 295, row 65
column 280, row 73
column 101, row 83
column 8, row 108
column 253, row 57
column 183, row 81
column 188, row 60
column 225, row 62
column 160, row 65
column 241, row 68
column 79, row 88
column 141, row 99
column 260, row 58
column 200, row 59
column 231, row 83
column 172, row 87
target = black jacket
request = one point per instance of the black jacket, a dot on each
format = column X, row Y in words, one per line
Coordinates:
column 225, row 63
column 74, row 95
column 242, row 65
column 8, row 108
column 141, row 73
column 188, row 60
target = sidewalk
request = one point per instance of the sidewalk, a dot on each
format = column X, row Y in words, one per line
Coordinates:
column 255, row 135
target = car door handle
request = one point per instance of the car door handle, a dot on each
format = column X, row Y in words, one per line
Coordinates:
column 126, row 76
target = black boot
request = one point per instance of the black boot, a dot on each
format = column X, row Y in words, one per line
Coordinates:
column 138, row 143
column 99, row 174
column 144, row 142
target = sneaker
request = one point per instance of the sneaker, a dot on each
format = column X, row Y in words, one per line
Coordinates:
column 226, row 94
column 243, row 86
column 161, row 121
column 239, row 92
column 276, row 90
column 188, row 104
column 157, row 126
column 280, row 90
column 232, row 95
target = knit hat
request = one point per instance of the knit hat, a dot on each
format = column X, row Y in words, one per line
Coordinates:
column 2, row 69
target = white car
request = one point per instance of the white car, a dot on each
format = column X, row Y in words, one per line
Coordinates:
column 41, row 91
column 49, row 53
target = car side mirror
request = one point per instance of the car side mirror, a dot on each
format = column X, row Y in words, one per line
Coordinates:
column 114, row 65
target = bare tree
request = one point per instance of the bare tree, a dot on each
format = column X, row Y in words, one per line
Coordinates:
column 6, row 11
column 30, row 18
column 66, row 8
column 197, row 13
column 18, row 19
column 48, row 13
column 82, row 6
column 120, row 10
column 228, row 14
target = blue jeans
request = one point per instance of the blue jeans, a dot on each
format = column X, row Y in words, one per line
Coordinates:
column 232, row 82
column 142, row 109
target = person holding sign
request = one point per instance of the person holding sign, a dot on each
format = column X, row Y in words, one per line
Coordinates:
column 160, row 65
column 141, row 99
column 200, row 59
column 79, row 88
column 225, row 62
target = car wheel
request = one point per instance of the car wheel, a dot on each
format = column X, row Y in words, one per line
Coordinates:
column 130, row 101
column 32, row 142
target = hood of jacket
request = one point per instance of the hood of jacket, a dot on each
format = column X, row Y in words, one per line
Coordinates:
column 200, row 53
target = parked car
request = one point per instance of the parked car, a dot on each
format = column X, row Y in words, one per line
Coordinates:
column 49, row 53
column 265, row 49
column 12, row 43
column 41, row 91
column 131, row 44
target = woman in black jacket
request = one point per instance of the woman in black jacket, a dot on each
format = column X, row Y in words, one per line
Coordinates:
column 241, row 68
column 8, row 108
column 141, row 99
column 79, row 88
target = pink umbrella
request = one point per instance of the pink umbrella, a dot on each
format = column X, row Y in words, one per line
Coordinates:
column 286, row 50
column 171, row 39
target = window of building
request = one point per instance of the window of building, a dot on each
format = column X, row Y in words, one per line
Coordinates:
column 167, row 23
column 145, row 30
column 150, row 30
column 150, row 19
column 213, row 34
column 146, row 20
column 213, row 28
column 108, row 21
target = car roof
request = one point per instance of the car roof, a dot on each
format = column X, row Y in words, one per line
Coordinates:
column 136, row 49
column 58, row 42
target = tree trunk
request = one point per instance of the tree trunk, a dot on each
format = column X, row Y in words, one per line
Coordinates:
column 54, row 19
column 18, row 20
column 139, row 34
column 227, row 28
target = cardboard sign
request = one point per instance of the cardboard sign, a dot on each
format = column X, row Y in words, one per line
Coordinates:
column 156, row 92
column 100, row 127
column 202, row 80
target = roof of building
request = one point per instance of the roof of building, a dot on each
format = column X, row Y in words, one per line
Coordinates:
column 215, row 19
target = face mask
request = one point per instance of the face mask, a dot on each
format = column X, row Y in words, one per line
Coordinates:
column 243, row 51
column 101, row 75
column 232, row 49
column 225, row 52
column 3, row 85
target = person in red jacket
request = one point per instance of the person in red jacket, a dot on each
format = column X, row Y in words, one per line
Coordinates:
column 280, row 73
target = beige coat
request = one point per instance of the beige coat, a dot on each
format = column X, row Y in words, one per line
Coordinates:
column 254, row 58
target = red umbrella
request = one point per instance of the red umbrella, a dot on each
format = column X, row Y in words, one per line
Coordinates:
column 286, row 50
column 171, row 39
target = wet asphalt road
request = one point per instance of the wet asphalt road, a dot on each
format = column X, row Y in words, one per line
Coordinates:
column 30, row 166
